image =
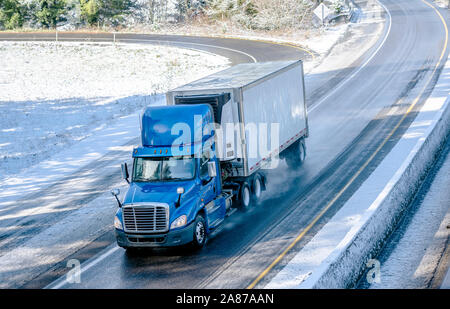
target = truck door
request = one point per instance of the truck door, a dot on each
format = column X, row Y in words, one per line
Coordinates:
column 208, row 183
column 215, row 209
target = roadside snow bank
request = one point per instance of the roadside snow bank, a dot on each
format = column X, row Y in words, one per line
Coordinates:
column 414, row 256
column 52, row 95
column 337, row 255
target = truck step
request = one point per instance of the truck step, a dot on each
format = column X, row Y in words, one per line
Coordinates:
column 216, row 223
column 231, row 211
column 216, row 231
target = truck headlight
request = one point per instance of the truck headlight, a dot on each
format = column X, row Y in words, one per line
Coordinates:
column 117, row 223
column 179, row 222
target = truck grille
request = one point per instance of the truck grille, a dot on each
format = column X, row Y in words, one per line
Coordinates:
column 148, row 218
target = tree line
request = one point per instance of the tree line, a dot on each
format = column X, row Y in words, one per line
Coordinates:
column 254, row 14
column 15, row 14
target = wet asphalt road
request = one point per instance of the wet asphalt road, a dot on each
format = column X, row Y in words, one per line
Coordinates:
column 346, row 128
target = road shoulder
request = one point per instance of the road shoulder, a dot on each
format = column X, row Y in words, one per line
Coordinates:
column 415, row 254
column 81, row 240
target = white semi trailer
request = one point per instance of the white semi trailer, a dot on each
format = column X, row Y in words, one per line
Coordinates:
column 261, row 110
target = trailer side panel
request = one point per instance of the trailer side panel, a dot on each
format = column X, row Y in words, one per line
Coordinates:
column 274, row 102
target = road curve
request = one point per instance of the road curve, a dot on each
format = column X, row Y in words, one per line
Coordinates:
column 66, row 193
column 237, row 50
column 351, row 132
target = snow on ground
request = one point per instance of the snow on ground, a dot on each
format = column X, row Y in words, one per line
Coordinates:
column 53, row 95
column 58, row 241
column 342, row 45
column 414, row 252
column 442, row 3
column 56, row 103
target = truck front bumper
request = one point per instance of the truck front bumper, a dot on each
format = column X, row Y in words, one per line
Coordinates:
column 173, row 238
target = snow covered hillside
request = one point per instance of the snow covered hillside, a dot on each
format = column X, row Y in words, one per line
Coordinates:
column 55, row 94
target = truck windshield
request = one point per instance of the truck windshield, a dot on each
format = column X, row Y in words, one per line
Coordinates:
column 165, row 168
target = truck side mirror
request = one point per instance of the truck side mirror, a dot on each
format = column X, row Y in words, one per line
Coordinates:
column 125, row 174
column 212, row 172
column 180, row 190
column 115, row 193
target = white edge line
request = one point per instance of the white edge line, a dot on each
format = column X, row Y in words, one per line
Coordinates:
column 62, row 281
column 198, row 44
column 360, row 67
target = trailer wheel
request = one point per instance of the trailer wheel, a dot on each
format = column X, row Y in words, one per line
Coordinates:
column 257, row 189
column 297, row 155
column 199, row 232
column 245, row 197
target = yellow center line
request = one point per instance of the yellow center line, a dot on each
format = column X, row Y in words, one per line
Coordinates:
column 324, row 210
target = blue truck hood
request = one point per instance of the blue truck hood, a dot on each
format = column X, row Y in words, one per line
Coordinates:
column 161, row 192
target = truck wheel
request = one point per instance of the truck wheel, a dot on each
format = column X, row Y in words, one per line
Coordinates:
column 257, row 189
column 245, row 198
column 297, row 155
column 199, row 232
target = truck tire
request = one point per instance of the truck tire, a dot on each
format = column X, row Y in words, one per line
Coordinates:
column 257, row 189
column 199, row 232
column 296, row 155
column 245, row 197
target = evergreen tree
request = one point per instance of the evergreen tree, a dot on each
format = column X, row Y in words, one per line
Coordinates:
column 113, row 11
column 90, row 11
column 110, row 12
column 12, row 14
column 51, row 12
column 220, row 9
column 187, row 9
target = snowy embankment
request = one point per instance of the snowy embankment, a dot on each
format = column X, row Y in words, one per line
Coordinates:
column 414, row 256
column 53, row 95
column 338, row 253
column 63, row 106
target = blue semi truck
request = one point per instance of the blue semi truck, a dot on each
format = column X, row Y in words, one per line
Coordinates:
column 205, row 154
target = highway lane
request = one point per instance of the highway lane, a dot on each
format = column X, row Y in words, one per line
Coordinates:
column 237, row 50
column 351, row 132
column 345, row 130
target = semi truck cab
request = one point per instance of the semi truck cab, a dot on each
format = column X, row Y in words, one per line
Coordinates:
column 175, row 196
